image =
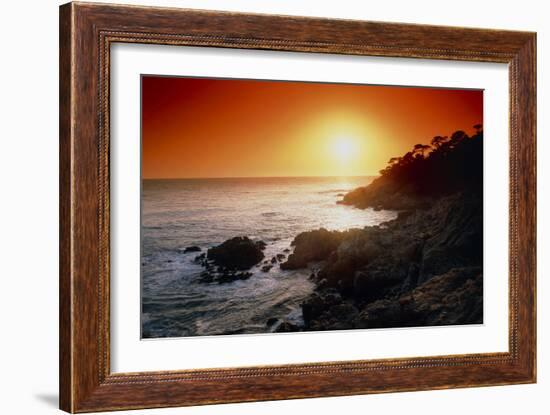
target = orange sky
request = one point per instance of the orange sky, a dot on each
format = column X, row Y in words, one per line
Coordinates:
column 194, row 127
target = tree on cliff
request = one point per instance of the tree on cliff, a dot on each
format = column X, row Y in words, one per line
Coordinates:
column 447, row 165
column 421, row 149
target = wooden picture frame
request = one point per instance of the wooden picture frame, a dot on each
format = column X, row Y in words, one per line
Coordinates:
column 86, row 33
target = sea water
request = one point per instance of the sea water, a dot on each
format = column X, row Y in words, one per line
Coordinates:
column 179, row 213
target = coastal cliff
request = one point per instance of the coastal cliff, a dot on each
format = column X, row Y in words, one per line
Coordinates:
column 426, row 173
column 424, row 267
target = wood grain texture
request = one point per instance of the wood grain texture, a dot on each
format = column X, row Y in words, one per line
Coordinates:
column 65, row 248
column 86, row 33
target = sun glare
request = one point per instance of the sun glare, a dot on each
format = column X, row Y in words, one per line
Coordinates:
column 344, row 148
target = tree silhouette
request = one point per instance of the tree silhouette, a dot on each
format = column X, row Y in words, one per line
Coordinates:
column 443, row 168
column 446, row 166
column 457, row 137
column 438, row 140
column 421, row 148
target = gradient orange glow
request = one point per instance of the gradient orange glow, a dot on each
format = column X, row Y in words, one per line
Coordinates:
column 195, row 127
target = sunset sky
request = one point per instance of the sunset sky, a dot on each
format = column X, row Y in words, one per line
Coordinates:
column 193, row 127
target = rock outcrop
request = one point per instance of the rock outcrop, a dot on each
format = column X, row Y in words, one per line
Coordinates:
column 455, row 297
column 231, row 260
column 193, row 248
column 238, row 253
column 312, row 246
column 423, row 268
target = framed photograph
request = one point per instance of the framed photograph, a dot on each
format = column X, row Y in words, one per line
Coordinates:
column 259, row 207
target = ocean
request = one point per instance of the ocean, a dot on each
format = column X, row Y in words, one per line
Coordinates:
column 179, row 213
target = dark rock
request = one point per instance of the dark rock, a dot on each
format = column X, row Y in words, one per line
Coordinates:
column 261, row 244
column 385, row 193
column 411, row 280
column 271, row 321
column 206, row 276
column 234, row 331
column 286, row 250
column 362, row 245
column 404, row 214
column 192, row 249
column 239, row 253
column 382, row 314
column 287, row 327
column 344, row 311
column 312, row 246
column 375, row 279
column 200, row 257
column 409, row 250
column 322, row 283
column 455, row 297
column 223, row 276
column 422, row 268
column 339, row 274
column 458, row 240
column 313, row 307
column 266, row 268
column 274, row 260
column 339, row 316
column 319, row 302
column 280, row 257
column 231, row 276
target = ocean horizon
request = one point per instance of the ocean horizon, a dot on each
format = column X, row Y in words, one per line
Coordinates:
column 368, row 177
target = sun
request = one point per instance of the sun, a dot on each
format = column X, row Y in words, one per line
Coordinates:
column 344, row 148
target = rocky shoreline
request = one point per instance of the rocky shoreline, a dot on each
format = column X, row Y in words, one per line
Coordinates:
column 422, row 269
